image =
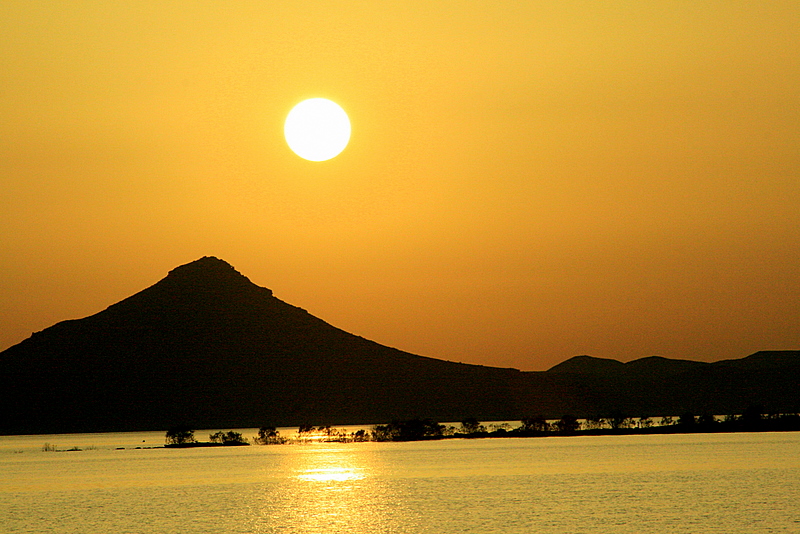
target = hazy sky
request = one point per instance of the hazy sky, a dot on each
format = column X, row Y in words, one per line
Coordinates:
column 525, row 181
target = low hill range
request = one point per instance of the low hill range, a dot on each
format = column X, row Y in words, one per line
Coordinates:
column 207, row 348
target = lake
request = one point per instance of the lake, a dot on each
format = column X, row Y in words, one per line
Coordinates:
column 695, row 483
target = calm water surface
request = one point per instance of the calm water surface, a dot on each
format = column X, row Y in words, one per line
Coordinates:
column 731, row 483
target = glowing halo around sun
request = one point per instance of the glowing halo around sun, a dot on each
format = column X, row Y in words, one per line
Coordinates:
column 317, row 129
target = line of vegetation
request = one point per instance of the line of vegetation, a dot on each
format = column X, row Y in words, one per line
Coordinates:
column 181, row 437
column 49, row 447
column 615, row 423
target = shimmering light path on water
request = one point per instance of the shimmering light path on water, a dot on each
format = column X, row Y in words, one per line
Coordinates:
column 726, row 483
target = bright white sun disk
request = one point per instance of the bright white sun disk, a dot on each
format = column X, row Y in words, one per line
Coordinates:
column 317, row 129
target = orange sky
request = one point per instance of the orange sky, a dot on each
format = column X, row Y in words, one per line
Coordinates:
column 525, row 181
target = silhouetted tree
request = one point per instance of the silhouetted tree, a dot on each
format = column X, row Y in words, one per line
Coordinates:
column 330, row 433
column 179, row 436
column 228, row 438
column 789, row 421
column 645, row 422
column 415, row 429
column 305, row 429
column 595, row 422
column 535, row 424
column 234, row 438
column 617, row 420
column 381, row 433
column 568, row 424
column 687, row 420
column 360, row 435
column 667, row 421
column 707, row 421
column 409, row 430
column 752, row 417
column 472, row 426
column 269, row 435
column 495, row 429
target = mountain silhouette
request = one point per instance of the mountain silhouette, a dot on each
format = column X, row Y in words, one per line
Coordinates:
column 207, row 348
column 587, row 365
column 662, row 386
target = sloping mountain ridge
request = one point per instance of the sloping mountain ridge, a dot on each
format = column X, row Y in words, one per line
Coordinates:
column 661, row 386
column 587, row 365
column 206, row 347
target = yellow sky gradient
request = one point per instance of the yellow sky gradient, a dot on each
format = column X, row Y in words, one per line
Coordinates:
column 525, row 181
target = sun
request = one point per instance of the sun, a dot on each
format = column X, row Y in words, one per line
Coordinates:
column 317, row 129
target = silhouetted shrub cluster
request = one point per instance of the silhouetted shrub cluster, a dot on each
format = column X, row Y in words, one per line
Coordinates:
column 184, row 437
column 752, row 420
column 269, row 435
column 180, row 436
column 409, row 430
column 228, row 438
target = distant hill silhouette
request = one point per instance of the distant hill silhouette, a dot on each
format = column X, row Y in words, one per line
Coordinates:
column 661, row 386
column 207, row 348
column 587, row 365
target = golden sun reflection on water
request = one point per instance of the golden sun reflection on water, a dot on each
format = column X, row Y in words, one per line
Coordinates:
column 337, row 488
column 331, row 464
column 331, row 474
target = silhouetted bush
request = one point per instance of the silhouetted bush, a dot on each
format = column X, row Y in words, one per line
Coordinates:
column 687, row 421
column 595, row 422
column 568, row 424
column 471, row 426
column 228, row 438
column 410, row 430
column 330, row 433
column 707, row 422
column 645, row 422
column 752, row 418
column 180, row 436
column 616, row 419
column 360, row 435
column 269, row 435
column 534, row 424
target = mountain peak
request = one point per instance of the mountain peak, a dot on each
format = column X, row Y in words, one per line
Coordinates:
column 208, row 271
column 204, row 266
column 586, row 365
